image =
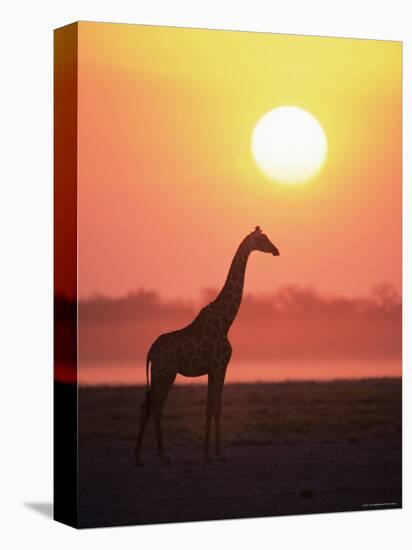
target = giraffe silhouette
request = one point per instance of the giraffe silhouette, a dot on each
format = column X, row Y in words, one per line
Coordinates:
column 198, row 349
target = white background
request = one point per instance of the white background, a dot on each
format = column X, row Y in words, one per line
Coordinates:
column 26, row 270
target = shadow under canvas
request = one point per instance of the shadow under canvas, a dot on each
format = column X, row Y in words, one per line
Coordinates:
column 43, row 508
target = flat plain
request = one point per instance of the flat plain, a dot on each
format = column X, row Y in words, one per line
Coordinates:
column 291, row 448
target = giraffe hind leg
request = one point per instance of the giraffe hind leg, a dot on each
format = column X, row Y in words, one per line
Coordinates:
column 162, row 381
column 144, row 417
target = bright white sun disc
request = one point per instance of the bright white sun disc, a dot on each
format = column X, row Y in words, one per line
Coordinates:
column 289, row 145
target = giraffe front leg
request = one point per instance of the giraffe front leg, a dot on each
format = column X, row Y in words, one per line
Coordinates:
column 218, row 391
column 209, row 414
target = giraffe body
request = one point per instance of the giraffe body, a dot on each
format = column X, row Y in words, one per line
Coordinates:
column 192, row 350
column 200, row 348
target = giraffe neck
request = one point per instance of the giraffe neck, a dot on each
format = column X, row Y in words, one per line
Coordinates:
column 230, row 297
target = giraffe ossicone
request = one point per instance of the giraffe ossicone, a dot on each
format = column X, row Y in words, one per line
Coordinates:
column 201, row 348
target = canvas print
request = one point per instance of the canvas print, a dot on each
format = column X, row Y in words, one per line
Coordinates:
column 228, row 313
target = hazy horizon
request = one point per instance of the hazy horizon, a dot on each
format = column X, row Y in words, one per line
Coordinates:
column 298, row 333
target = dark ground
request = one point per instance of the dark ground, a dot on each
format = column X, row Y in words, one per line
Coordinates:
column 292, row 448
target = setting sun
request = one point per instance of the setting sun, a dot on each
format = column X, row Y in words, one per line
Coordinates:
column 289, row 145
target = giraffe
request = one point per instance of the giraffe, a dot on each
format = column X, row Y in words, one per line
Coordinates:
column 201, row 348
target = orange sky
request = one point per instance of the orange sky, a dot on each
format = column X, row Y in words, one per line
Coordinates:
column 168, row 186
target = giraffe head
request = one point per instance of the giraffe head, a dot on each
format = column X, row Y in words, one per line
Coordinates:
column 260, row 241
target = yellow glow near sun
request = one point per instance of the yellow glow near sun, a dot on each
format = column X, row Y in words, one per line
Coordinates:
column 289, row 145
